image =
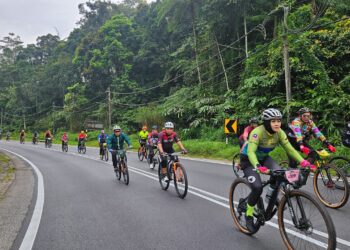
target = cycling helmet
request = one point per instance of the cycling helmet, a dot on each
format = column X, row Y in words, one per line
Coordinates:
column 154, row 127
column 169, row 125
column 116, row 127
column 82, row 132
column 304, row 110
column 270, row 114
column 253, row 120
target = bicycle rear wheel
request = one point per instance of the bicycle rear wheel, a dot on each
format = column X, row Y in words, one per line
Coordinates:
column 140, row 154
column 125, row 173
column 239, row 192
column 331, row 186
column 163, row 184
column 180, row 181
column 311, row 220
column 236, row 165
column 83, row 150
column 342, row 163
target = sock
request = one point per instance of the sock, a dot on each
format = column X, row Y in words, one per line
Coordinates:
column 250, row 210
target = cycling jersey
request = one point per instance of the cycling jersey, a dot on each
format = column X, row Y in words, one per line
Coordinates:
column 22, row 134
column 153, row 138
column 303, row 130
column 245, row 135
column 167, row 141
column 64, row 138
column 117, row 142
column 47, row 135
column 261, row 143
column 143, row 135
column 102, row 138
column 82, row 136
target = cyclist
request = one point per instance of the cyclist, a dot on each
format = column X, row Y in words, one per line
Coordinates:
column 255, row 157
column 143, row 136
column 47, row 136
column 22, row 135
column 166, row 140
column 102, row 138
column 152, row 144
column 81, row 137
column 300, row 131
column 64, row 139
column 35, row 137
column 116, row 142
column 253, row 123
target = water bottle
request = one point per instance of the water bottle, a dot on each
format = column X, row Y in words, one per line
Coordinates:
column 269, row 194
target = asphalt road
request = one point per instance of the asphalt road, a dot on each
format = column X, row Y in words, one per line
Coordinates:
column 85, row 207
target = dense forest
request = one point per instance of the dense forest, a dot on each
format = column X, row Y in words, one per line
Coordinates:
column 194, row 62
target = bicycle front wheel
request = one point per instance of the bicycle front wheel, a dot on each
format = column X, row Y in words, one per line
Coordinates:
column 125, row 173
column 140, row 154
column 331, row 186
column 305, row 224
column 163, row 184
column 180, row 181
column 343, row 163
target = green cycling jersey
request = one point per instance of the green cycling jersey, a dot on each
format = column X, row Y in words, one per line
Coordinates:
column 261, row 143
column 143, row 135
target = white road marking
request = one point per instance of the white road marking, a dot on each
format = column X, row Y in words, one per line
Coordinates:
column 32, row 230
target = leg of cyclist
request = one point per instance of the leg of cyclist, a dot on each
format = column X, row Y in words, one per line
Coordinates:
column 114, row 159
column 101, row 147
column 150, row 155
column 163, row 164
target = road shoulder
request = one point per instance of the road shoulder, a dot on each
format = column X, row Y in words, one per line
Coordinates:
column 16, row 202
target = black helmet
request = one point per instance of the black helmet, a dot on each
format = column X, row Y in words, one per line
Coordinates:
column 253, row 120
column 304, row 110
column 270, row 114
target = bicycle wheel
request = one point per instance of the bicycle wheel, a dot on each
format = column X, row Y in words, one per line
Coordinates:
column 125, row 173
column 342, row 163
column 102, row 155
column 106, row 155
column 331, row 186
column 66, row 148
column 140, row 154
column 180, row 181
column 118, row 173
column 236, row 165
column 163, row 184
column 310, row 220
column 83, row 150
column 239, row 192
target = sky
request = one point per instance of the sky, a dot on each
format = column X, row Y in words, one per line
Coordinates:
column 32, row 18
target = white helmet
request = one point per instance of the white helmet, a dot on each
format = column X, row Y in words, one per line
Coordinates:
column 270, row 114
column 169, row 125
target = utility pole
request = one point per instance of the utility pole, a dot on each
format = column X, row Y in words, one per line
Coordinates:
column 287, row 76
column 109, row 108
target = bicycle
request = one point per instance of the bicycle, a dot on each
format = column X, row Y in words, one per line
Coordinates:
column 343, row 163
column 142, row 152
column 330, row 183
column 104, row 152
column 48, row 142
column 82, row 147
column 176, row 172
column 65, row 147
column 35, row 140
column 21, row 139
column 122, row 167
column 297, row 223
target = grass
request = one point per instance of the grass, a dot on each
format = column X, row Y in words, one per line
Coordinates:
column 6, row 170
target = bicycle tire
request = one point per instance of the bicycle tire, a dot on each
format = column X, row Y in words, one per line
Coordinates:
column 125, row 174
column 345, row 186
column 163, row 184
column 183, row 194
column 235, row 212
column 66, row 148
column 236, row 166
column 140, row 154
column 83, row 150
column 325, row 215
column 345, row 165
column 106, row 155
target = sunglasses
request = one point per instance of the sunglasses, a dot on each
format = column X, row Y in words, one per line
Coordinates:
column 116, row 131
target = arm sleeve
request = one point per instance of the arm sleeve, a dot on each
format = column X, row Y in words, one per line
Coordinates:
column 109, row 142
column 291, row 152
column 317, row 132
column 296, row 127
column 252, row 147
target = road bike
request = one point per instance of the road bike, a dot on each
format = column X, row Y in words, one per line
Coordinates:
column 104, row 154
column 35, row 140
column 175, row 171
column 330, row 183
column 65, row 146
column 82, row 147
column 122, row 167
column 299, row 215
column 142, row 152
column 48, row 142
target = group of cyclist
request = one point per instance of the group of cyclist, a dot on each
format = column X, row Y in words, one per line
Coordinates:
column 258, row 141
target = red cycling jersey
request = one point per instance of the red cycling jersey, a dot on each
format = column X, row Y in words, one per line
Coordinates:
column 167, row 141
